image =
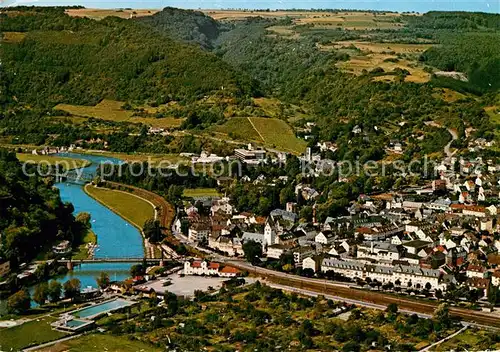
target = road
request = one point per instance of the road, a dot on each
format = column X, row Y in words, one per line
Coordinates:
column 447, row 148
column 428, row 348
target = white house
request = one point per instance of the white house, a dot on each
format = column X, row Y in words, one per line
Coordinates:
column 275, row 251
column 350, row 269
column 417, row 277
column 380, row 251
column 199, row 232
column 324, row 237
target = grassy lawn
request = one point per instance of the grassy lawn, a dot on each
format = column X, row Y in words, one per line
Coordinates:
column 101, row 342
column 278, row 134
column 66, row 163
column 82, row 252
column 99, row 14
column 318, row 19
column 13, row 37
column 112, row 110
column 28, row 334
column 470, row 339
column 239, row 128
column 200, row 192
column 130, row 207
column 357, row 64
column 154, row 159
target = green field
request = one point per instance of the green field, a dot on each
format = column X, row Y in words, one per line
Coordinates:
column 494, row 114
column 471, row 339
column 101, row 342
column 82, row 252
column 112, row 110
column 278, row 134
column 130, row 207
column 154, row 159
column 66, row 163
column 28, row 334
column 239, row 128
column 200, row 192
column 272, row 132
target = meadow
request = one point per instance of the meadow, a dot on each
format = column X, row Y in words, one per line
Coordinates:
column 278, row 134
column 470, row 339
column 130, row 207
column 200, row 192
column 357, row 64
column 99, row 14
column 272, row 132
column 28, row 334
column 239, row 128
column 381, row 48
column 319, row 19
column 12, row 37
column 154, row 159
column 112, row 110
column 82, row 251
column 101, row 342
column 52, row 160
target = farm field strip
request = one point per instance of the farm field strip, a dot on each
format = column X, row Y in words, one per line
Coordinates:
column 278, row 134
column 53, row 160
column 112, row 110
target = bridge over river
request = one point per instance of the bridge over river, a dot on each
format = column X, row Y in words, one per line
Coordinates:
column 107, row 260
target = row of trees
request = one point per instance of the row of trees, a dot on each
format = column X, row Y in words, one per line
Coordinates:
column 52, row 292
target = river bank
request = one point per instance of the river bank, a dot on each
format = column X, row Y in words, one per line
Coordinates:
column 133, row 208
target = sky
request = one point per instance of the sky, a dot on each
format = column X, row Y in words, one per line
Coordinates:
column 393, row 5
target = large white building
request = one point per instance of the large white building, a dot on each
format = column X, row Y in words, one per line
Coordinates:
column 410, row 276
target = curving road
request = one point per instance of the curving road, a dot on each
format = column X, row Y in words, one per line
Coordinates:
column 447, row 148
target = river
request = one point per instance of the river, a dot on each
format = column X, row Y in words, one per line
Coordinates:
column 116, row 238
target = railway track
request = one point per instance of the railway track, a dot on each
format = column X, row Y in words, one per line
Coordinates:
column 378, row 298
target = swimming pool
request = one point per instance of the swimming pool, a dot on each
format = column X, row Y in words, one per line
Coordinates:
column 101, row 308
column 74, row 323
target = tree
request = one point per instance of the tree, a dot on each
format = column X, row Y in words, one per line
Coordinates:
column 493, row 295
column 137, row 270
column 351, row 346
column 54, row 291
column 152, row 230
column 19, row 302
column 442, row 314
column 83, row 219
column 103, row 280
column 308, row 272
column 439, row 294
column 72, row 288
column 253, row 251
column 41, row 293
column 392, row 308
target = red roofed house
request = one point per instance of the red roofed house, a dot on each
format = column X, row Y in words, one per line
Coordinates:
column 228, row 271
column 199, row 267
column 475, row 271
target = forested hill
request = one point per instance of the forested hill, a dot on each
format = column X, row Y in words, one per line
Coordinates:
column 186, row 25
column 48, row 57
column 32, row 215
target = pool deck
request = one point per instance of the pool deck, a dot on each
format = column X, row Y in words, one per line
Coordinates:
column 73, row 314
